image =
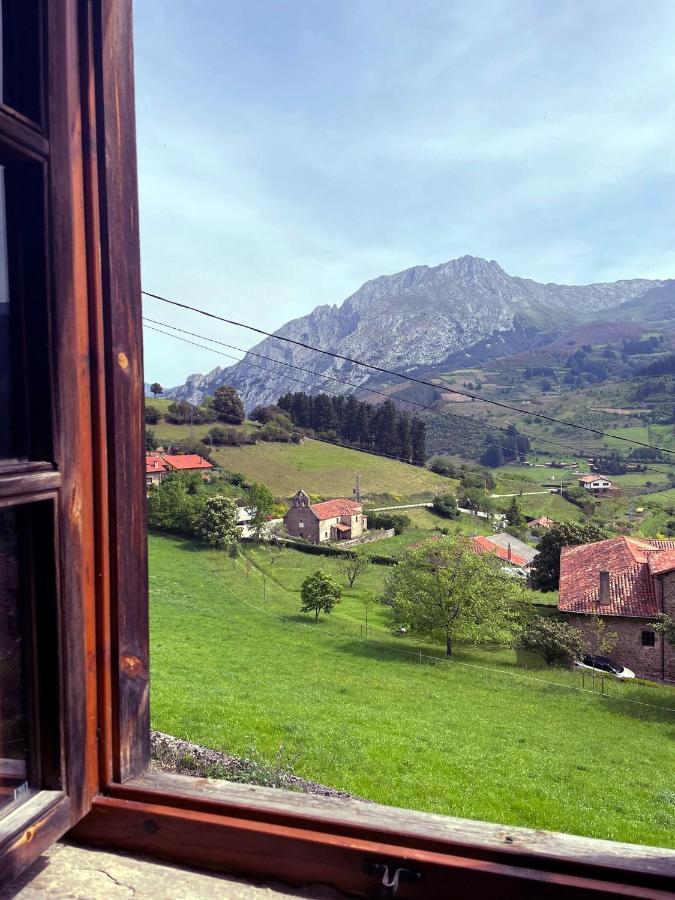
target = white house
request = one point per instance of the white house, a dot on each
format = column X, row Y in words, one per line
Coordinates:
column 596, row 484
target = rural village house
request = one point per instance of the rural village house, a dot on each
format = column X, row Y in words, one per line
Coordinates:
column 627, row 582
column 157, row 465
column 541, row 522
column 332, row 520
column 507, row 548
column 598, row 485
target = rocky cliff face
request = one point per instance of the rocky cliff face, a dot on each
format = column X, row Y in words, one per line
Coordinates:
column 420, row 318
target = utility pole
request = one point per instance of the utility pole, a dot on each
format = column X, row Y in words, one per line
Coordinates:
column 357, row 489
column 192, row 427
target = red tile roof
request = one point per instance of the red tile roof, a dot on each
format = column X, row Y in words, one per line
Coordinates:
column 331, row 509
column 587, row 479
column 660, row 563
column 154, row 464
column 186, row 461
column 630, row 563
column 482, row 544
column 341, row 527
column 543, row 521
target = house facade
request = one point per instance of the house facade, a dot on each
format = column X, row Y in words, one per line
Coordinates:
column 627, row 582
column 598, row 485
column 331, row 520
column 155, row 469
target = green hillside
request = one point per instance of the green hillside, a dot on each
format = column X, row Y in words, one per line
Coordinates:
column 235, row 666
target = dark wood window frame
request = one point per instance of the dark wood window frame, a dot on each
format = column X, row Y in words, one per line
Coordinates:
column 96, row 483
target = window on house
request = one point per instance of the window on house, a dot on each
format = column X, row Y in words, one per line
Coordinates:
column 648, row 639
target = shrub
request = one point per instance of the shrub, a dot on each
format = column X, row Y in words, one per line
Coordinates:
column 397, row 521
column 446, row 506
column 152, row 415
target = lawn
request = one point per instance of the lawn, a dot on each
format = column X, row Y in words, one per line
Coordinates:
column 475, row 738
column 330, row 471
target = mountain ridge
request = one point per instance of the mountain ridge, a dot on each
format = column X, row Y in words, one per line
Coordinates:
column 424, row 316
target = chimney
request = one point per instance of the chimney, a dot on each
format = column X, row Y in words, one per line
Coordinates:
column 603, row 596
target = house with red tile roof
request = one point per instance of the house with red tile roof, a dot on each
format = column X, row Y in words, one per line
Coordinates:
column 627, row 582
column 155, row 469
column 598, row 485
column 541, row 522
column 330, row 520
column 482, row 544
column 157, row 465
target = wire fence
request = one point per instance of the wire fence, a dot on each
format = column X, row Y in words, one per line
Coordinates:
column 595, row 684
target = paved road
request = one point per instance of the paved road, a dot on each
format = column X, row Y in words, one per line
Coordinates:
column 525, row 493
column 468, row 512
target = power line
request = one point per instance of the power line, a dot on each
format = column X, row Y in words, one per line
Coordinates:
column 395, row 374
column 486, row 440
column 442, row 413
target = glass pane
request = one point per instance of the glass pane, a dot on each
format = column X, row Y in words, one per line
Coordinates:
column 5, row 417
column 13, row 725
column 20, row 56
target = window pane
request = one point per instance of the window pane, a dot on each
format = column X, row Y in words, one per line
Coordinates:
column 5, row 365
column 20, row 56
column 13, row 724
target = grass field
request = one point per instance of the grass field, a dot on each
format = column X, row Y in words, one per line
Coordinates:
column 476, row 738
column 330, row 471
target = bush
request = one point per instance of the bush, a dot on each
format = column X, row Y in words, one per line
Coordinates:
column 274, row 432
column 152, row 415
column 446, row 506
column 386, row 520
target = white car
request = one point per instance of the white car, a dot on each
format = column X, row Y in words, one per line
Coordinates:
column 605, row 666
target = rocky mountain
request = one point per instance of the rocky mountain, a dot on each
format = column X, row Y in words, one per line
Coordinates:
column 458, row 313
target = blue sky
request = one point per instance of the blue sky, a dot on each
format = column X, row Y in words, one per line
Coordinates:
column 291, row 150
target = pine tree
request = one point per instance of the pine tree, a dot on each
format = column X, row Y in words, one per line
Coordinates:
column 404, row 437
column 418, row 436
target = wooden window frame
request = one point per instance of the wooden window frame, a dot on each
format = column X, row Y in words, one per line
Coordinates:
column 98, row 486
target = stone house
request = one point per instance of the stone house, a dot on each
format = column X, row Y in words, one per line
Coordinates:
column 627, row 582
column 331, row 520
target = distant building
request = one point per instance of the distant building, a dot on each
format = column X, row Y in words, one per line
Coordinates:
column 158, row 465
column 331, row 520
column 598, row 485
column 155, row 469
column 541, row 522
column 188, row 462
column 627, row 582
column 507, row 548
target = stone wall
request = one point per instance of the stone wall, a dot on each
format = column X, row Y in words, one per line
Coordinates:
column 646, row 662
column 369, row 536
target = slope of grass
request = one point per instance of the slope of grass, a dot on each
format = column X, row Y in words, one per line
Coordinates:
column 329, row 470
column 475, row 742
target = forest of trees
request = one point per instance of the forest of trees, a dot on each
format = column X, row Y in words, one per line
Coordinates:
column 382, row 428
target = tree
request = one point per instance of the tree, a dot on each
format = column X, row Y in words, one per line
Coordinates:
column 219, row 435
column 217, row 524
column 176, row 503
column 156, row 388
column 260, row 505
column 152, row 415
column 418, row 437
column 514, row 516
column 479, row 500
column 446, row 506
column 665, row 624
column 227, row 405
column 444, row 590
column 552, row 639
column 151, row 442
column 277, row 533
column 545, row 572
column 493, row 457
column 319, row 592
column 354, row 564
column 599, row 641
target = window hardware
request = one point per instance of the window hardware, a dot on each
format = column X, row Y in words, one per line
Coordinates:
column 390, row 883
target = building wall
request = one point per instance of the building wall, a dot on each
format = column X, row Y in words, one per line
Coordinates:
column 646, row 662
column 665, row 586
column 295, row 516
